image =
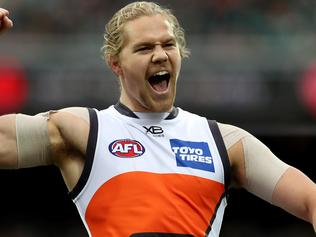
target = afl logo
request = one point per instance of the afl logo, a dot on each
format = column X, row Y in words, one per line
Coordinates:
column 126, row 148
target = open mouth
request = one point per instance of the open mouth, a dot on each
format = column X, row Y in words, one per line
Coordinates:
column 159, row 81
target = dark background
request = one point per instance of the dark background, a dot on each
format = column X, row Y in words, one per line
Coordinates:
column 253, row 65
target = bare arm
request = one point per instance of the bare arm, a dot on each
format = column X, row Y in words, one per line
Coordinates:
column 283, row 185
column 5, row 22
column 296, row 193
column 8, row 148
column 58, row 138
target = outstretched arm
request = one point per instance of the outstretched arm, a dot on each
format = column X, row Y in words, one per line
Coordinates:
column 24, row 141
column 56, row 137
column 5, row 22
column 257, row 169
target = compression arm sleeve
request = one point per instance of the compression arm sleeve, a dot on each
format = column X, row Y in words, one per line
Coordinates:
column 32, row 140
column 262, row 168
column 32, row 137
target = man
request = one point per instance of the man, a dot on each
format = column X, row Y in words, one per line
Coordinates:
column 144, row 167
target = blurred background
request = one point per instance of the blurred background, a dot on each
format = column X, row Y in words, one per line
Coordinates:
column 252, row 64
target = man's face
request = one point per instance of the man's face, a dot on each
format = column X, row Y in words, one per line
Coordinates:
column 148, row 65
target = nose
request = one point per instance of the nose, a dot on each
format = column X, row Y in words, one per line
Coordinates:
column 159, row 54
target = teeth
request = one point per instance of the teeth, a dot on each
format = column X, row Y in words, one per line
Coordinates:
column 161, row 73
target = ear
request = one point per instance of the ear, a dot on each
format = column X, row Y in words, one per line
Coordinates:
column 115, row 65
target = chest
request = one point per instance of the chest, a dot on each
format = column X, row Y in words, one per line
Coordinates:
column 164, row 148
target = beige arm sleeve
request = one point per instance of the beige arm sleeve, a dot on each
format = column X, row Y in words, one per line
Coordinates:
column 32, row 137
column 262, row 168
column 32, row 140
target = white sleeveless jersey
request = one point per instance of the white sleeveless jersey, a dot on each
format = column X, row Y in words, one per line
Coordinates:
column 152, row 176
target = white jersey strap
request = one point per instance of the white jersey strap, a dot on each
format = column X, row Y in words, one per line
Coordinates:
column 92, row 141
column 222, row 151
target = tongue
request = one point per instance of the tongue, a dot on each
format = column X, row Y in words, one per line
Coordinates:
column 160, row 86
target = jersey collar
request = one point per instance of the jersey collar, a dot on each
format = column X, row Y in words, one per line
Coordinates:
column 124, row 110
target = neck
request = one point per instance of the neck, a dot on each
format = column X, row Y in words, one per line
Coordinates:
column 125, row 110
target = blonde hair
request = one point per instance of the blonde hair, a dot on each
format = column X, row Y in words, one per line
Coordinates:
column 113, row 37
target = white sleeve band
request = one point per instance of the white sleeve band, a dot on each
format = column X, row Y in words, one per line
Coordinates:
column 262, row 168
column 32, row 140
column 33, row 143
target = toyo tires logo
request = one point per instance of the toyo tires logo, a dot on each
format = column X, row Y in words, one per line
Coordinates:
column 196, row 155
column 126, row 148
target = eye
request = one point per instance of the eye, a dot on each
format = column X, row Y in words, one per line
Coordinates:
column 169, row 45
column 143, row 49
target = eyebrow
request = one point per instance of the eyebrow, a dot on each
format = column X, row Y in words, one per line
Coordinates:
column 149, row 43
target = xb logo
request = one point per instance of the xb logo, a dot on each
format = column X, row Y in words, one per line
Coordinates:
column 154, row 130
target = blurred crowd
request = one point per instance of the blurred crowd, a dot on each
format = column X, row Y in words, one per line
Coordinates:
column 243, row 16
column 262, row 46
column 248, row 72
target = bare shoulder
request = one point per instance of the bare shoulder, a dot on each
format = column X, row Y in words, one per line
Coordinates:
column 81, row 112
column 68, row 130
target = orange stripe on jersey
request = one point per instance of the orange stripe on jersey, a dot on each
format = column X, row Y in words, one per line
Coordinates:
column 137, row 202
